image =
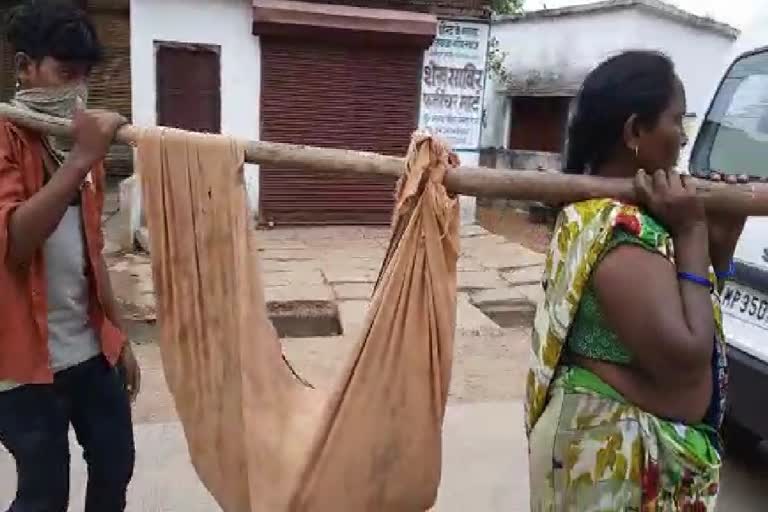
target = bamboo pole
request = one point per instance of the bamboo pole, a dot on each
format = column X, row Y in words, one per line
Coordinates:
column 550, row 187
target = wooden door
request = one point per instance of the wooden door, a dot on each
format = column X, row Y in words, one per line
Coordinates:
column 189, row 87
column 539, row 123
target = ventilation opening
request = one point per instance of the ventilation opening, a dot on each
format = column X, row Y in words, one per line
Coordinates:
column 305, row 319
column 509, row 314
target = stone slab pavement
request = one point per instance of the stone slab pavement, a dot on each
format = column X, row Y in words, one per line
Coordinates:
column 341, row 264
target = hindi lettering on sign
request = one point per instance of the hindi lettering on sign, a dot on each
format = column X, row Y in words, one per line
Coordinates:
column 472, row 45
column 453, row 82
column 470, row 103
column 450, row 30
column 470, row 32
column 467, row 77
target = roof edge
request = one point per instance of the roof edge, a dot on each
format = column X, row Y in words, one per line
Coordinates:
column 654, row 6
column 320, row 21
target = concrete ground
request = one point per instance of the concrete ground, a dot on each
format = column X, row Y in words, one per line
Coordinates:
column 484, row 468
column 483, row 461
column 339, row 266
column 485, row 465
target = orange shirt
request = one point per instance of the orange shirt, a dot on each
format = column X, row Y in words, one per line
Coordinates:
column 24, row 356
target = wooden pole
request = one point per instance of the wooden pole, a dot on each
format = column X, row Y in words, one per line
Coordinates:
column 550, row 187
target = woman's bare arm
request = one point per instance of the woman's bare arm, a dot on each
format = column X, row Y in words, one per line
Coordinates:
column 666, row 323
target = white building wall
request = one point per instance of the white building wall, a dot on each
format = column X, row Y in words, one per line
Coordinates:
column 574, row 44
column 226, row 23
column 697, row 54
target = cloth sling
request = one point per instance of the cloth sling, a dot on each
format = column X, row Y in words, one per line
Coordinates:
column 258, row 438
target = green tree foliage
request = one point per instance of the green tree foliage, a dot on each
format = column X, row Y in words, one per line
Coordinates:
column 496, row 56
column 507, row 6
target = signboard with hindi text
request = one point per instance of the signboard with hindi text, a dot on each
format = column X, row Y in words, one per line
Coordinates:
column 453, row 81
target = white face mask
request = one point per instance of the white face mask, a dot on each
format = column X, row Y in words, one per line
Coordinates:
column 54, row 101
column 57, row 102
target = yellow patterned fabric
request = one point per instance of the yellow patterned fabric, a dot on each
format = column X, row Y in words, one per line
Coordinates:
column 591, row 450
column 582, row 233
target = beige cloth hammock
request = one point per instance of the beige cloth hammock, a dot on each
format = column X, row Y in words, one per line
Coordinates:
column 258, row 438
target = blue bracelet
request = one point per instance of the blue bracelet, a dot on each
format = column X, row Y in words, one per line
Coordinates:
column 728, row 274
column 693, row 278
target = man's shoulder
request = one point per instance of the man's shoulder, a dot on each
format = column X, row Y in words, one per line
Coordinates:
column 8, row 126
column 13, row 134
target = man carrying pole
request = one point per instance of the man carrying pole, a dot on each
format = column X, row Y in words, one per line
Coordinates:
column 63, row 357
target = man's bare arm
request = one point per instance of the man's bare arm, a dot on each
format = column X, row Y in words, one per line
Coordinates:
column 33, row 222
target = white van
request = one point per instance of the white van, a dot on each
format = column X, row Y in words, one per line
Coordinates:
column 733, row 137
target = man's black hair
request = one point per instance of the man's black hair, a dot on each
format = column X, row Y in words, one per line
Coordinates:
column 634, row 82
column 53, row 28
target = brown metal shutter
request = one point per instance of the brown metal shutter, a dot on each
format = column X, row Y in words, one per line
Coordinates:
column 8, row 71
column 110, row 83
column 349, row 97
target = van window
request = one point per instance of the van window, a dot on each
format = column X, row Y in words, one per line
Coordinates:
column 734, row 136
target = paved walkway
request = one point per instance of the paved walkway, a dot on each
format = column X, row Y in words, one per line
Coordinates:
column 341, row 264
column 484, row 466
column 483, row 429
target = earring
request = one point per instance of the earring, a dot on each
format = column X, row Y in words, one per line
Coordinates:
column 637, row 152
column 18, row 84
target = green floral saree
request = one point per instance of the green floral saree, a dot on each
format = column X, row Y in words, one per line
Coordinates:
column 591, row 450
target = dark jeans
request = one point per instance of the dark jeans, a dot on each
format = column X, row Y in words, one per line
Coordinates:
column 34, row 423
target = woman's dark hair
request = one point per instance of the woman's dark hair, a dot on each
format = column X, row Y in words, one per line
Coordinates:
column 52, row 28
column 633, row 82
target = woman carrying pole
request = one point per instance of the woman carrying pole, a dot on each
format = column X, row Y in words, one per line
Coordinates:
column 627, row 390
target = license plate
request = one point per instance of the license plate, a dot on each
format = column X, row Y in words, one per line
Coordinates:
column 745, row 304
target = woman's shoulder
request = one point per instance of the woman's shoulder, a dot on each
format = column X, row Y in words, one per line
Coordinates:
column 638, row 222
column 590, row 208
column 618, row 213
column 625, row 219
column 602, row 211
